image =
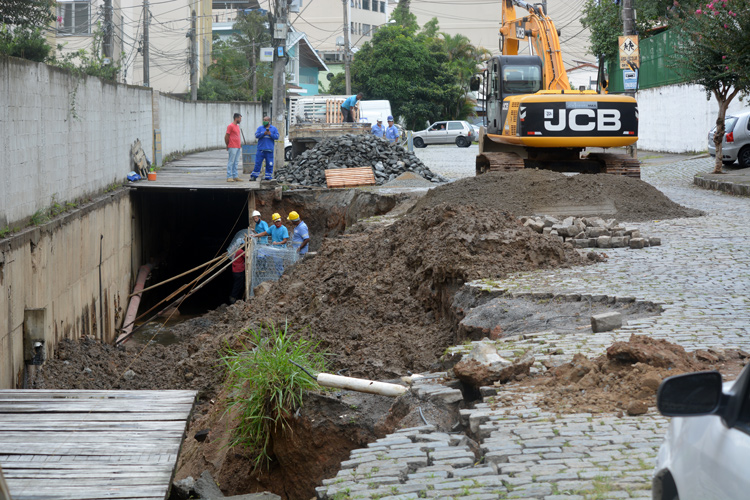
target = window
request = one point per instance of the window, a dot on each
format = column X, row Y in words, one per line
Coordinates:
column 455, row 126
column 374, row 5
column 73, row 18
column 353, row 29
column 366, row 29
column 382, row 7
column 366, row 4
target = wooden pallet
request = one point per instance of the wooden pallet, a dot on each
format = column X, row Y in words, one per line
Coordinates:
column 91, row 445
column 333, row 111
column 350, row 177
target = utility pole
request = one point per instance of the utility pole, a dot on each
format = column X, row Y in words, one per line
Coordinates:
column 628, row 28
column 194, row 59
column 347, row 48
column 146, row 19
column 107, row 46
column 278, row 104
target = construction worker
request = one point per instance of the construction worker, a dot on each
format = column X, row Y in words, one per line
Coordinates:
column 300, row 235
column 266, row 135
column 391, row 133
column 260, row 227
column 278, row 232
column 347, row 107
column 378, row 130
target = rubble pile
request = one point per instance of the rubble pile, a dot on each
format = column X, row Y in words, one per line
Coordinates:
column 590, row 232
column 349, row 151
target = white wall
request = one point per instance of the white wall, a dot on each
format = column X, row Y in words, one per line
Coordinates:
column 49, row 152
column 201, row 125
column 677, row 118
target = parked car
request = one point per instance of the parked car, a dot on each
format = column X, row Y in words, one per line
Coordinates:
column 287, row 149
column 455, row 132
column 736, row 143
column 707, row 447
column 475, row 128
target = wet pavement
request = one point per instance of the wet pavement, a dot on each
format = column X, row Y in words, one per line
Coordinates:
column 701, row 277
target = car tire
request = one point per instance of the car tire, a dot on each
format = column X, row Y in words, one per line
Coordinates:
column 743, row 158
column 419, row 142
column 462, row 142
column 288, row 153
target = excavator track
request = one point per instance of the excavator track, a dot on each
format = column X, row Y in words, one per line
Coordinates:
column 498, row 162
column 618, row 164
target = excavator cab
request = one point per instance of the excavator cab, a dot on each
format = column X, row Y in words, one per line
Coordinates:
column 507, row 76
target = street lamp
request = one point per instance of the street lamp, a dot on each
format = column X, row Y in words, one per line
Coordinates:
column 348, row 46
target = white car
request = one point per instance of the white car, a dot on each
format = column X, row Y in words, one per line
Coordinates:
column 456, row 132
column 736, row 143
column 706, row 451
column 287, row 149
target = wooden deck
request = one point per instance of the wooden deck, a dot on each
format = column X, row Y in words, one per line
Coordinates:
column 86, row 445
column 206, row 170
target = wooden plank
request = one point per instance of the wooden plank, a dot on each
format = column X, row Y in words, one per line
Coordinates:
column 350, row 177
column 78, row 406
column 17, row 394
column 91, row 426
column 52, row 491
column 104, row 416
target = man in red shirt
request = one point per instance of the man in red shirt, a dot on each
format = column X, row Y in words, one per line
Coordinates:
column 234, row 146
column 238, row 275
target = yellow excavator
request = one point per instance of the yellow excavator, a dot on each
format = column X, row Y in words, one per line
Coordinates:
column 534, row 119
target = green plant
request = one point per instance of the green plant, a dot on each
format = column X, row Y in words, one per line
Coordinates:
column 39, row 217
column 265, row 386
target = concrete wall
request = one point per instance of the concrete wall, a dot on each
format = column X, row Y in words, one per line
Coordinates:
column 677, row 118
column 187, row 126
column 65, row 137
column 56, row 268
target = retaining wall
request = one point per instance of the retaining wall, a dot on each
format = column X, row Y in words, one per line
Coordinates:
column 677, row 118
column 55, row 268
column 66, row 137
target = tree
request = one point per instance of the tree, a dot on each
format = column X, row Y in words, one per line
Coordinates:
column 237, row 74
column 21, row 28
column 31, row 14
column 713, row 53
column 404, row 18
column 410, row 70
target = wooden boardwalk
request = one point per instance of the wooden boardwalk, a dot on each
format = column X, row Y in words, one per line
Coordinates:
column 86, row 445
column 206, row 170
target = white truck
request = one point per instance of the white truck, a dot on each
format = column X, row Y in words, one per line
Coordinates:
column 313, row 119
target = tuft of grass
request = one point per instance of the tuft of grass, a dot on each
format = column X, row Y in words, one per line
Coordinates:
column 265, row 387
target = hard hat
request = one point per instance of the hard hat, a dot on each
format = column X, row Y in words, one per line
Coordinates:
column 380, row 119
column 293, row 216
column 256, row 213
column 275, row 217
column 390, row 118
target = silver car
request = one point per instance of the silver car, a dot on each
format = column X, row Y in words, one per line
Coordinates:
column 736, row 143
column 456, row 132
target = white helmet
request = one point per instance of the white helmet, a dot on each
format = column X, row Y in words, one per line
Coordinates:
column 256, row 213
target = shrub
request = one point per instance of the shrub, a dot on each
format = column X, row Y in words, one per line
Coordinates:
column 265, row 387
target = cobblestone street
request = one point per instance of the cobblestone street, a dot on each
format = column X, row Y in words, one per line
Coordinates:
column 701, row 276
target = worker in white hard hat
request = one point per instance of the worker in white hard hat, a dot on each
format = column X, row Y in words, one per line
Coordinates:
column 261, row 227
column 300, row 235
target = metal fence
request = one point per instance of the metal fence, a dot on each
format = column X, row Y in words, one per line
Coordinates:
column 269, row 262
column 658, row 63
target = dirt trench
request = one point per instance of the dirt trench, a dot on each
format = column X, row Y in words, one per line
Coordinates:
column 378, row 297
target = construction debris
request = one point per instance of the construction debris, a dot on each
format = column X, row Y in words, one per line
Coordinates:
column 387, row 160
column 590, row 232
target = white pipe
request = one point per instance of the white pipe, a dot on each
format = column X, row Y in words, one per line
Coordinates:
column 361, row 385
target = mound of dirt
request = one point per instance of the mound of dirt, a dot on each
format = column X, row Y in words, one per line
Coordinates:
column 531, row 192
column 379, row 300
column 627, row 377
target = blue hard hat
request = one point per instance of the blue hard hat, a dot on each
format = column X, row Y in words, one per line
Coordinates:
column 390, row 118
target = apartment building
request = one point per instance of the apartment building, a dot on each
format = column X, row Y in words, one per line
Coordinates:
column 323, row 23
column 479, row 20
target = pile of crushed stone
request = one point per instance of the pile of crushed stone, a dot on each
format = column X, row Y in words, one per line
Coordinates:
column 530, row 192
column 387, row 160
column 627, row 377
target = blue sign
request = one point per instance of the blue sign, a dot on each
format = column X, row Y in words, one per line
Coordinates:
column 281, row 51
column 630, row 79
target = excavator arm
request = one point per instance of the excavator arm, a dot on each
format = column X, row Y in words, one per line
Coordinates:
column 541, row 31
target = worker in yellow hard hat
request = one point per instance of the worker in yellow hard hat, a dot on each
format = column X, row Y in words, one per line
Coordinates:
column 279, row 234
column 300, row 235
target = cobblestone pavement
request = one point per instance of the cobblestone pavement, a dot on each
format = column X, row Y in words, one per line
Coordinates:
column 701, row 276
column 449, row 161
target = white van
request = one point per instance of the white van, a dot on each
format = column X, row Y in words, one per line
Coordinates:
column 371, row 111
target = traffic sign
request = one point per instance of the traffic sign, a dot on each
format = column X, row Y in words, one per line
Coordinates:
column 630, row 55
column 630, row 79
